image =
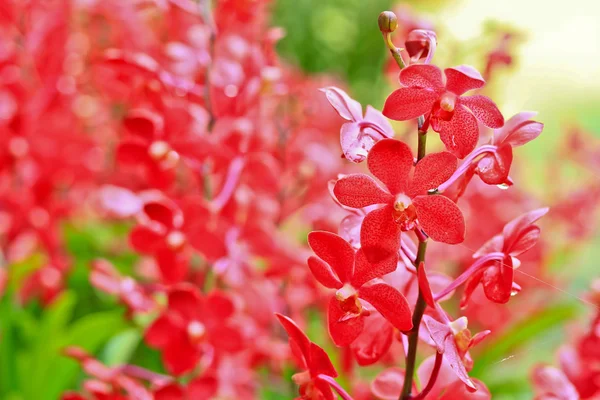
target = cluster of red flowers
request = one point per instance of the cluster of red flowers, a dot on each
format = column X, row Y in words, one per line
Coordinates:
column 579, row 374
column 180, row 122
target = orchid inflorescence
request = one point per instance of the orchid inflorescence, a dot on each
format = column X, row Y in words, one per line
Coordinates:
column 419, row 196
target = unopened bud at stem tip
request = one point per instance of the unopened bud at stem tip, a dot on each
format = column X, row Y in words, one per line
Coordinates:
column 388, row 22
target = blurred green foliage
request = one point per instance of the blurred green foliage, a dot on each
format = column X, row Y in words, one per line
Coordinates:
column 32, row 364
column 336, row 36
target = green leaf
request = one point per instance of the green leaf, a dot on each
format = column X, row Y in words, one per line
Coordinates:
column 91, row 333
column 8, row 370
column 42, row 356
column 120, row 349
column 531, row 328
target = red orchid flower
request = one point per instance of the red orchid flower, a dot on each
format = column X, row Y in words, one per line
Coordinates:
column 107, row 383
column 452, row 115
column 118, row 202
column 160, row 233
column 360, row 133
column 447, row 385
column 406, row 200
column 493, row 168
column 492, row 161
column 580, row 369
column 47, row 282
column 156, row 142
column 105, row 277
column 550, row 383
column 140, row 73
column 193, row 326
column 453, row 339
column 420, row 45
column 202, row 387
column 316, row 380
column 338, row 266
column 165, row 229
column 497, row 273
column 387, row 385
column 374, row 341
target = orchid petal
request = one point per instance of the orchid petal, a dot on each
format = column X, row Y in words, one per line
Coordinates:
column 425, row 76
column 364, row 271
column 409, row 103
column 320, row 362
column 359, row 190
column 494, row 168
column 186, row 300
column 431, row 171
column 388, row 384
column 440, row 218
column 335, row 251
column 296, row 335
column 455, row 360
column 145, row 240
column 520, row 234
column 391, row 161
column 342, row 331
column 380, row 235
column 424, row 286
column 346, row 107
column 497, row 280
column 374, row 342
column 463, row 78
column 485, row 110
column 390, row 303
column 461, row 133
column 323, row 273
column 377, row 118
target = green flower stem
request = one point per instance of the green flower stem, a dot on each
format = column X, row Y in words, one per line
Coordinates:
column 422, row 139
column 395, row 51
column 413, row 335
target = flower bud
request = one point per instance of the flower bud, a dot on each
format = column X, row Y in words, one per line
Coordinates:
column 388, row 22
column 420, row 45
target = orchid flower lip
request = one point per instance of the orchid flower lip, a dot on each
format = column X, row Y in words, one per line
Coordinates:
column 459, row 325
column 159, row 150
column 196, row 329
column 127, row 284
column 345, row 292
column 402, row 202
column 368, row 124
column 175, row 239
column 448, row 101
column 301, row 378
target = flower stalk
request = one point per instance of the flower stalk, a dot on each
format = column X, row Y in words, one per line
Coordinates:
column 413, row 335
column 464, row 167
column 434, row 374
column 388, row 22
column 336, row 386
column 482, row 262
